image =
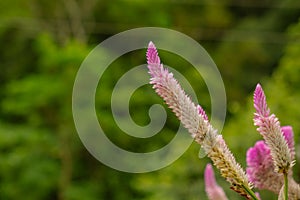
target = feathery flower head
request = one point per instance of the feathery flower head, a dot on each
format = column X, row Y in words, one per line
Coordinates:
column 269, row 128
column 192, row 117
column 196, row 121
column 213, row 190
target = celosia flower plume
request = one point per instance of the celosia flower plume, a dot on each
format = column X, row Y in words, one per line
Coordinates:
column 213, row 190
column 192, row 117
column 195, row 120
column 269, row 128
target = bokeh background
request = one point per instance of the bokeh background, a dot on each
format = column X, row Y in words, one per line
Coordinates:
column 43, row 44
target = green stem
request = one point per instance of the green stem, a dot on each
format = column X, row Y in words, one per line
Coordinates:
column 286, row 186
column 250, row 192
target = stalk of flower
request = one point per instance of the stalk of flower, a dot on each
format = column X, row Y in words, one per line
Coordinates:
column 195, row 120
column 293, row 191
column 269, row 128
column 213, row 190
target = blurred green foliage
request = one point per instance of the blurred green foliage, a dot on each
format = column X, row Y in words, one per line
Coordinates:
column 42, row 46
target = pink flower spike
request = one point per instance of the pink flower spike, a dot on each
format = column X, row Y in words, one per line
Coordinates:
column 213, row 190
column 269, row 127
column 195, row 121
column 260, row 103
column 167, row 87
column 289, row 137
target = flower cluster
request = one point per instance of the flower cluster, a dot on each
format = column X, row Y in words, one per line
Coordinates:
column 269, row 162
column 261, row 170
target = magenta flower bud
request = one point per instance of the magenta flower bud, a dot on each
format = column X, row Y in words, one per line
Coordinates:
column 213, row 190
